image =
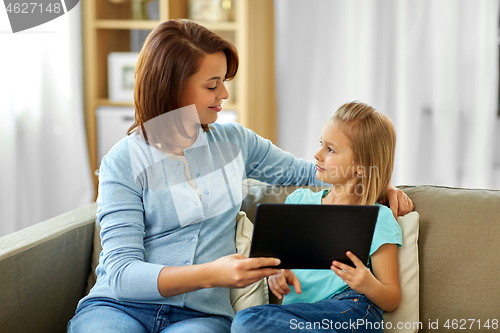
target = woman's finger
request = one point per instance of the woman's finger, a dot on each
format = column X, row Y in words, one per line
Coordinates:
column 255, row 263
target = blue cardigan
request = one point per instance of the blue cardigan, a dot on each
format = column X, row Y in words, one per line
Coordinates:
column 151, row 218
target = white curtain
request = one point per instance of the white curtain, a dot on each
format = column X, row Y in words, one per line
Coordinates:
column 431, row 66
column 44, row 167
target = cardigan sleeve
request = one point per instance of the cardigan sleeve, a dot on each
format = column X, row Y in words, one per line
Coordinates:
column 121, row 216
column 268, row 163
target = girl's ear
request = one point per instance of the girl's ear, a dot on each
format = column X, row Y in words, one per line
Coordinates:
column 360, row 170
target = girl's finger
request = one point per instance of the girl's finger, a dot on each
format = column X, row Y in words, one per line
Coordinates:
column 273, row 289
column 284, row 284
column 278, row 285
column 341, row 274
column 296, row 286
column 343, row 267
column 355, row 260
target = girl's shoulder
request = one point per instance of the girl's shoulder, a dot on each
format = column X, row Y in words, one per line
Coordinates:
column 304, row 196
column 387, row 229
column 385, row 213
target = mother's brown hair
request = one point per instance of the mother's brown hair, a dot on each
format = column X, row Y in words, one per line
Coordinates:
column 171, row 54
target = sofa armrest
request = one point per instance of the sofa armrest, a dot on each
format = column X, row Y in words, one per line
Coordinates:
column 44, row 271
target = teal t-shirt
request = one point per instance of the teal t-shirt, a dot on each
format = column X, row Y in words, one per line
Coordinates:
column 320, row 284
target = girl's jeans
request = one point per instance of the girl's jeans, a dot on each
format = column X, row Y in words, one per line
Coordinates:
column 102, row 315
column 348, row 311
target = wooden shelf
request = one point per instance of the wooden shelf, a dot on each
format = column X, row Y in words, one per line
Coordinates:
column 126, row 24
column 221, row 26
column 107, row 102
column 149, row 25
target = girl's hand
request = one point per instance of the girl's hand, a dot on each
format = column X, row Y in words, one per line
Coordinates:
column 279, row 283
column 238, row 271
column 399, row 202
column 360, row 278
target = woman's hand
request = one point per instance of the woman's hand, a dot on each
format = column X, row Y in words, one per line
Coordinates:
column 279, row 283
column 232, row 271
column 238, row 271
column 399, row 202
column 359, row 279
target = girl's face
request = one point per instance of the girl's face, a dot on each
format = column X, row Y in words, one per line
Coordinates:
column 335, row 163
column 206, row 88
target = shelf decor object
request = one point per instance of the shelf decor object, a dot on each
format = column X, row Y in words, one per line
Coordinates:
column 211, row 10
column 121, row 67
column 139, row 8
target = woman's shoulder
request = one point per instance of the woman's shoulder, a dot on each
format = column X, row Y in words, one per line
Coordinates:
column 304, row 196
column 132, row 150
column 119, row 149
column 232, row 130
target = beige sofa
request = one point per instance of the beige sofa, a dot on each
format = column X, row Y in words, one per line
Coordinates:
column 44, row 268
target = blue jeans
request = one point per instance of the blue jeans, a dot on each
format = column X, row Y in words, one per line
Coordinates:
column 108, row 315
column 348, row 311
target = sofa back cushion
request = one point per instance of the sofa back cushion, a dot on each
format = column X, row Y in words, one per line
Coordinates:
column 258, row 192
column 459, row 257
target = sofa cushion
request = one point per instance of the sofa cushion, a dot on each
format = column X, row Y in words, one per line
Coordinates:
column 96, row 252
column 459, row 255
column 254, row 294
column 408, row 268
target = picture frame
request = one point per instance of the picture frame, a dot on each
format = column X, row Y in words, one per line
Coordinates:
column 121, row 75
column 210, row 10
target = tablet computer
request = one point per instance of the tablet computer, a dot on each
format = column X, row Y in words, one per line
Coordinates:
column 312, row 236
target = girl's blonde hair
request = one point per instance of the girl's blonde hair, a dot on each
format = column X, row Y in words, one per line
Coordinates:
column 373, row 141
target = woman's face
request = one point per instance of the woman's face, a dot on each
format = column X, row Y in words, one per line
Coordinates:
column 206, row 89
column 335, row 162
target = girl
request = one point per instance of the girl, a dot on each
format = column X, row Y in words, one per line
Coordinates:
column 170, row 191
column 356, row 157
